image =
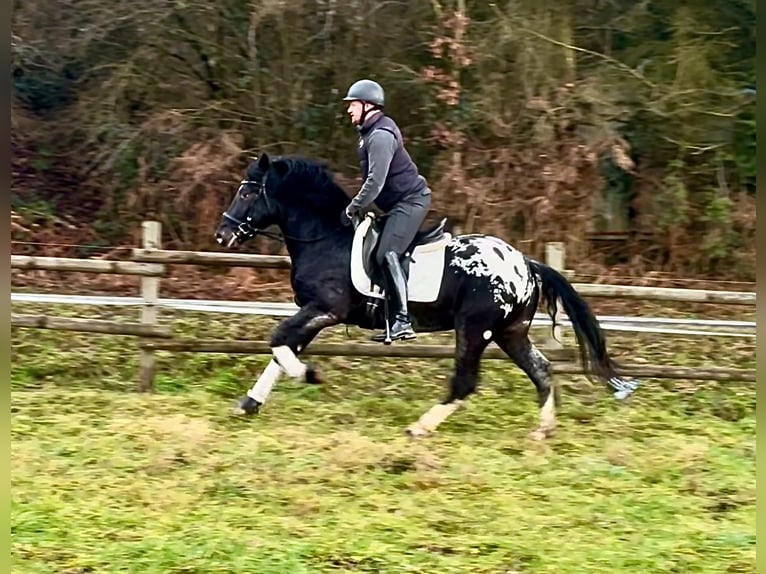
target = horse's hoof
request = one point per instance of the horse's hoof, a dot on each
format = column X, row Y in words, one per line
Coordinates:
column 416, row 431
column 623, row 387
column 541, row 434
column 247, row 406
column 313, row 375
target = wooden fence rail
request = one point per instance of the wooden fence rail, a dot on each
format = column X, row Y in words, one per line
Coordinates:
column 89, row 326
column 558, row 357
column 211, row 258
column 665, row 294
column 415, row 351
column 87, row 265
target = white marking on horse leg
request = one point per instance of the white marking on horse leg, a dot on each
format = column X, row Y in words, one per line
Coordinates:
column 262, row 387
column 547, row 418
column 292, row 365
column 432, row 418
column 548, row 412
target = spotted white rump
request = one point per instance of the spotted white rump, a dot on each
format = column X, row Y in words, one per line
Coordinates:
column 504, row 267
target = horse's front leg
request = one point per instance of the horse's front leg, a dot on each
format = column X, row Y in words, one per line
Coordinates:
column 290, row 337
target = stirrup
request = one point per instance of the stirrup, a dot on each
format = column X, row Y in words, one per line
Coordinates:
column 405, row 334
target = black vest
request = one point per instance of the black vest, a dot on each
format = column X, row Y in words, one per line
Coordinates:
column 403, row 179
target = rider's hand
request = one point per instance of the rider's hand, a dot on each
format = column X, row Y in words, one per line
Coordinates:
column 346, row 217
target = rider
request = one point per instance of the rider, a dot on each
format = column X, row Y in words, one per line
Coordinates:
column 391, row 181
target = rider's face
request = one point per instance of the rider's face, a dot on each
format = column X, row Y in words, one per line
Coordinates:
column 355, row 110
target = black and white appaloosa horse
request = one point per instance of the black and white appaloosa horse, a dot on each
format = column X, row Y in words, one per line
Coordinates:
column 477, row 285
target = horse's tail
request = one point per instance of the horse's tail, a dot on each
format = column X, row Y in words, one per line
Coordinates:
column 590, row 338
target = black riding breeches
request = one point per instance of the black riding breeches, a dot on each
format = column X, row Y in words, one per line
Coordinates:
column 402, row 224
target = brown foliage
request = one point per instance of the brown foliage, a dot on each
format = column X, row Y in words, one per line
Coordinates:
column 153, row 110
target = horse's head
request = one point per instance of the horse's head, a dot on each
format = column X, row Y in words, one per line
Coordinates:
column 253, row 207
column 297, row 194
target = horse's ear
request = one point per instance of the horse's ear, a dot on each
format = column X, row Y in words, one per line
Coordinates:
column 264, row 162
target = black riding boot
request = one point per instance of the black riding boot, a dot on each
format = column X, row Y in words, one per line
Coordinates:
column 397, row 293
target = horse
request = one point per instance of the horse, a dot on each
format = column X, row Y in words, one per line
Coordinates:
column 477, row 285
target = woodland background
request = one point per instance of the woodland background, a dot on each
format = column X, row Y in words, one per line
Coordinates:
column 625, row 129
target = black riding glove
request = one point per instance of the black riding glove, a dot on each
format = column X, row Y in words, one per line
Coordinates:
column 346, row 217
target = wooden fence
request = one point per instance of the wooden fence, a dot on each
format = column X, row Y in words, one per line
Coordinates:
column 150, row 263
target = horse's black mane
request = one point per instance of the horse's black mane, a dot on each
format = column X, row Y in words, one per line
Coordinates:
column 307, row 168
column 309, row 179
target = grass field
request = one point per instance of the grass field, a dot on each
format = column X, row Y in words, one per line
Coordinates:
column 105, row 480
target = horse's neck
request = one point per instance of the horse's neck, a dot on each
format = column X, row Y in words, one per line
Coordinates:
column 315, row 229
column 308, row 242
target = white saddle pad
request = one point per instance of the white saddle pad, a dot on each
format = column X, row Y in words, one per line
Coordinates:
column 425, row 269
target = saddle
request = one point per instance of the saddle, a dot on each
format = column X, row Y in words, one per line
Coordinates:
column 422, row 261
column 372, row 238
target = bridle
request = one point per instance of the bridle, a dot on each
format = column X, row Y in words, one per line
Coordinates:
column 244, row 229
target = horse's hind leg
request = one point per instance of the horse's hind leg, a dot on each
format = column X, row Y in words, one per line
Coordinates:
column 470, row 344
column 520, row 349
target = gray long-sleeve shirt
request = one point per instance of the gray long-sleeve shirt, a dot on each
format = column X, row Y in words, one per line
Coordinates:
column 381, row 146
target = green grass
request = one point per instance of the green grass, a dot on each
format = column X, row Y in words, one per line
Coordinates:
column 105, row 480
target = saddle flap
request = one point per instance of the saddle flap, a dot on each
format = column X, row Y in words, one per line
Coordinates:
column 425, row 262
column 369, row 235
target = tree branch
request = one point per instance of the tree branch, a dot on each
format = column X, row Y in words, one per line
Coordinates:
column 616, row 63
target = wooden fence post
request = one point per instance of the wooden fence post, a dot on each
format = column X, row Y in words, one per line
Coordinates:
column 150, row 291
column 554, row 257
